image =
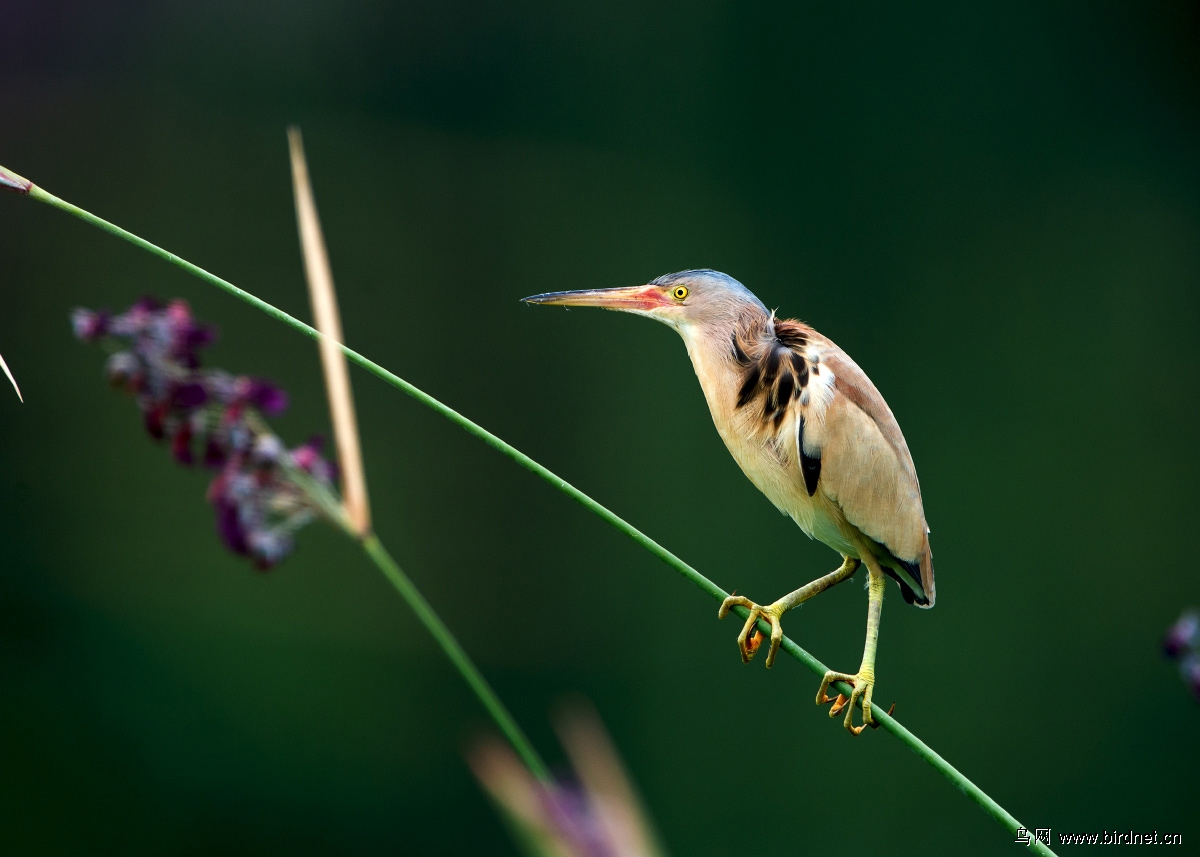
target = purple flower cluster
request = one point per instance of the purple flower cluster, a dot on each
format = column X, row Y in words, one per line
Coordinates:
column 210, row 414
column 1182, row 643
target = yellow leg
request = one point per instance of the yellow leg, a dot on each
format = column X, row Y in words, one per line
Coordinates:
column 747, row 645
column 864, row 681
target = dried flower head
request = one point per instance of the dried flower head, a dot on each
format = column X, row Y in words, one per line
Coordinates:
column 1189, row 671
column 596, row 815
column 1184, row 635
column 263, row 492
column 1182, row 642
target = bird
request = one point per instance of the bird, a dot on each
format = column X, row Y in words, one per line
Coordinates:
column 811, row 432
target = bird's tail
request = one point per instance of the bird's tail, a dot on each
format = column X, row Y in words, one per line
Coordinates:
column 927, row 577
column 915, row 578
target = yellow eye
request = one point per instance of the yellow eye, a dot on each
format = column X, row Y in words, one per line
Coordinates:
column 680, row 293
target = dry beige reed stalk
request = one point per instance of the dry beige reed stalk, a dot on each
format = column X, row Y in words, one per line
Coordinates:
column 333, row 361
column 11, row 379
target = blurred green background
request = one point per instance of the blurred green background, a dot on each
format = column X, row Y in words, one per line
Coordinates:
column 994, row 209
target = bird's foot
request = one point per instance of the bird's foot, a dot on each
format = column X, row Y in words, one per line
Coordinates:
column 863, row 684
column 750, row 639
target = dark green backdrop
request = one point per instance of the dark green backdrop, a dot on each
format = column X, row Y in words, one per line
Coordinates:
column 996, row 211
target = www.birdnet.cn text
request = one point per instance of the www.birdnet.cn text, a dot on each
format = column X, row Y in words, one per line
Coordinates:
column 1105, row 837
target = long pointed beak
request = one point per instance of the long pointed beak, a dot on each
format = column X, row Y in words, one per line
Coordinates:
column 631, row 298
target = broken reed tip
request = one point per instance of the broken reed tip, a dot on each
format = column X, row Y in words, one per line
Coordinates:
column 11, row 181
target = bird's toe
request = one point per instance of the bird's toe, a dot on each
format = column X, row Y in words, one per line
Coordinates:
column 732, row 601
column 862, row 687
column 751, row 638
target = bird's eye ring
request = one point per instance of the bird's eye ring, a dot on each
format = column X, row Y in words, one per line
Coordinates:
column 680, row 293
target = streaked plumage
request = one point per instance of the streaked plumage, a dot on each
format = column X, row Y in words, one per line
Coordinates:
column 811, row 432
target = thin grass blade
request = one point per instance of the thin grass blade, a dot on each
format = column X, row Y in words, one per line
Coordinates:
column 10, row 377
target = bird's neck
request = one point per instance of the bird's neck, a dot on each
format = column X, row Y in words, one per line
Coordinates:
column 710, row 347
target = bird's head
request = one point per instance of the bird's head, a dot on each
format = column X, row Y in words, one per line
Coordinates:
column 690, row 301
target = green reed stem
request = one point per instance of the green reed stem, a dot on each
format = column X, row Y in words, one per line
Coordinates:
column 462, row 662
column 888, row 723
column 332, row 508
column 335, row 511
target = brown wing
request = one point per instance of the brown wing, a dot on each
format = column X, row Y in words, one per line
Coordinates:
column 865, row 465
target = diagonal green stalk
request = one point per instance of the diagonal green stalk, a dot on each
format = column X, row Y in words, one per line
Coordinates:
column 888, row 723
column 461, row 660
column 333, row 509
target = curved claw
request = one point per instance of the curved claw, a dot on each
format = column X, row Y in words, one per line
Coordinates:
column 749, row 639
column 863, row 688
column 732, row 601
column 838, row 705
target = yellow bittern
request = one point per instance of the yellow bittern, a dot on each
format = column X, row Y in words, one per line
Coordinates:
column 811, row 432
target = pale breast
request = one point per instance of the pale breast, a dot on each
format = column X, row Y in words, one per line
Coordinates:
column 766, row 449
column 809, row 429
